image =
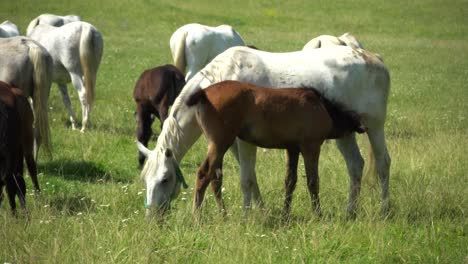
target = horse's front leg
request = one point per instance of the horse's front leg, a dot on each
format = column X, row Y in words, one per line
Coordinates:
column 202, row 181
column 311, row 154
column 163, row 110
column 67, row 103
column 291, row 179
column 247, row 154
column 210, row 171
column 216, row 185
column 144, row 130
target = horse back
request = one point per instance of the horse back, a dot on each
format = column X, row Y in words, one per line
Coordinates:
column 159, row 82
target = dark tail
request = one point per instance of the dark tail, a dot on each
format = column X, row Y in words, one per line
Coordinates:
column 196, row 97
column 344, row 121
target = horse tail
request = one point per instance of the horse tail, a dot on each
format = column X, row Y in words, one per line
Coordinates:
column 90, row 55
column 178, row 49
column 42, row 81
column 196, row 97
column 32, row 25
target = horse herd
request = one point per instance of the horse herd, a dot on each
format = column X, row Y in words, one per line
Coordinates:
column 237, row 96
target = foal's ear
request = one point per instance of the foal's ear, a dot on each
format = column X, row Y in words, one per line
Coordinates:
column 168, row 153
column 143, row 149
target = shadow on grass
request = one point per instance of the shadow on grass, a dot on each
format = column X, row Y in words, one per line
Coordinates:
column 76, row 170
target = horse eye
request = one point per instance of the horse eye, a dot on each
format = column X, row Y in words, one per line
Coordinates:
column 165, row 180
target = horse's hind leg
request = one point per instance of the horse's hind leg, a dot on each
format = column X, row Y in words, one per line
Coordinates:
column 355, row 163
column 247, row 154
column 32, row 169
column 311, row 154
column 85, row 106
column 383, row 161
column 66, row 101
column 291, row 179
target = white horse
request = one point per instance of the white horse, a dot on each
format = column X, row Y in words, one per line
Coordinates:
column 326, row 40
column 27, row 65
column 53, row 20
column 8, row 29
column 355, row 78
column 194, row 45
column 76, row 49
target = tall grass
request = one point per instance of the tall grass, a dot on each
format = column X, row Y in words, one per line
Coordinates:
column 91, row 207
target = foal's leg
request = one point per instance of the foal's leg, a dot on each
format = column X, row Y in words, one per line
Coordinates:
column 383, row 161
column 355, row 163
column 66, row 100
column 247, row 154
column 208, row 171
column 291, row 179
column 311, row 154
column 216, row 184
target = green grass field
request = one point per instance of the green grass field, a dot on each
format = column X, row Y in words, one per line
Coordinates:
column 91, row 207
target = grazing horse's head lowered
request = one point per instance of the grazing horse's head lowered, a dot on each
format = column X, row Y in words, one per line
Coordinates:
column 162, row 182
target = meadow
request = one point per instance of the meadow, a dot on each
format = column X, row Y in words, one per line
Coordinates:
column 91, row 206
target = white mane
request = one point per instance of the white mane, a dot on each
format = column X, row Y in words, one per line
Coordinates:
column 170, row 133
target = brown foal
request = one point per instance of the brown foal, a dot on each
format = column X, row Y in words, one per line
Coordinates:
column 296, row 119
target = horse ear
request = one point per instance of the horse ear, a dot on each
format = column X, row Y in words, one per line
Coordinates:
column 168, row 153
column 143, row 149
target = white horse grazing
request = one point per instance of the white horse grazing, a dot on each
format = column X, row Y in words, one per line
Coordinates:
column 53, row 20
column 27, row 65
column 355, row 78
column 76, row 49
column 8, row 29
column 194, row 45
column 326, row 40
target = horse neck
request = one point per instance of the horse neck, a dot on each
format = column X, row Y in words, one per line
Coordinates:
column 180, row 130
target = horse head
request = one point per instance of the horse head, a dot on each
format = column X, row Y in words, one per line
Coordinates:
column 162, row 182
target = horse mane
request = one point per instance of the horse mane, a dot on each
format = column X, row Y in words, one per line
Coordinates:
column 343, row 118
column 170, row 133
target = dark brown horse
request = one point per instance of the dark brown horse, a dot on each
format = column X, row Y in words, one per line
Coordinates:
column 16, row 142
column 154, row 92
column 296, row 119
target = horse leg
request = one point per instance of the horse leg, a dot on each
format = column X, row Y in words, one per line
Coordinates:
column 354, row 163
column 216, row 184
column 209, row 171
column 32, row 169
column 28, row 145
column 85, row 107
column 383, row 161
column 247, row 154
column 19, row 179
column 163, row 112
column 311, row 154
column 144, row 130
column 66, row 101
column 291, row 179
